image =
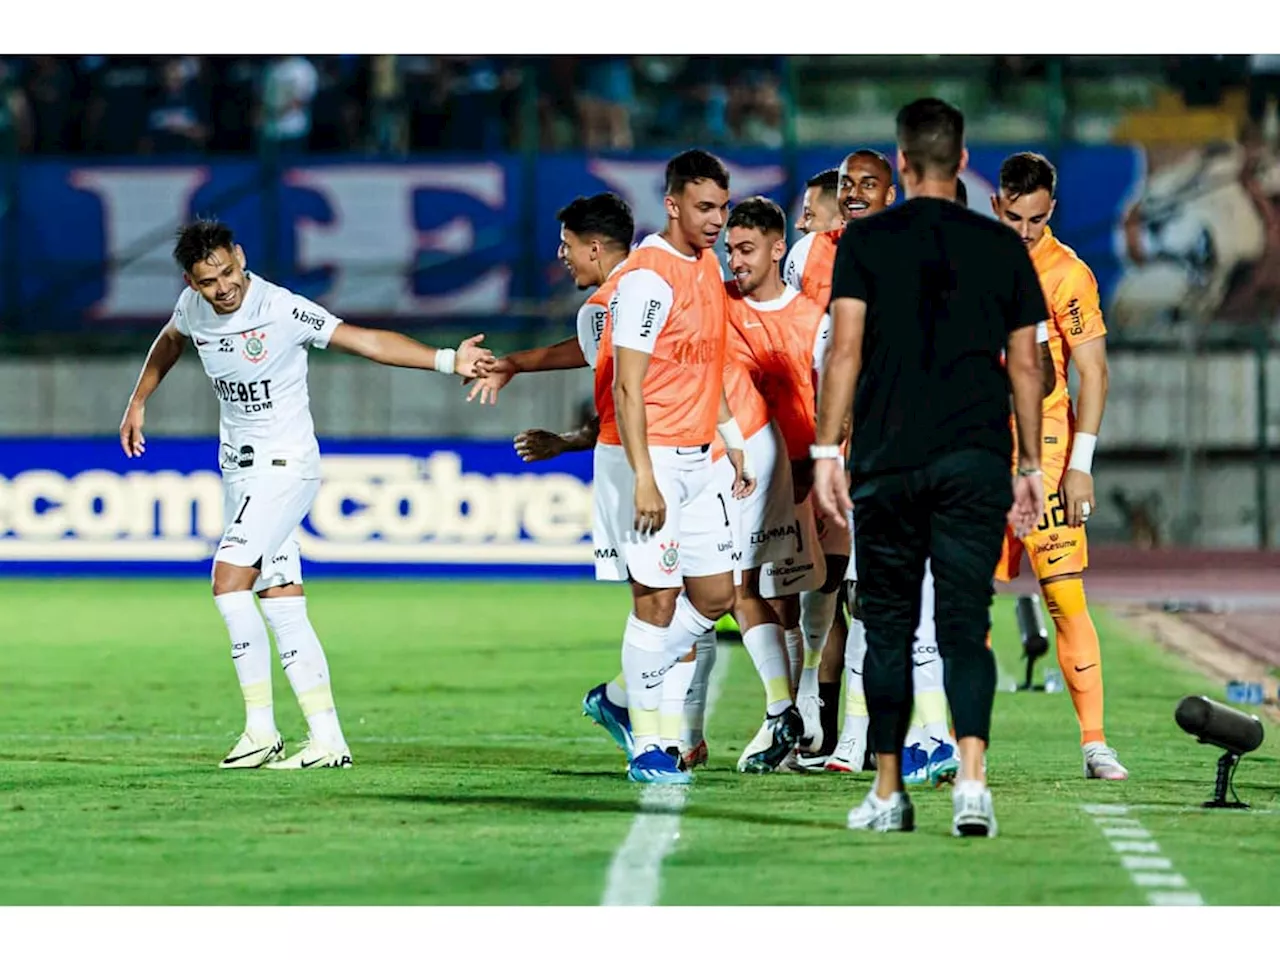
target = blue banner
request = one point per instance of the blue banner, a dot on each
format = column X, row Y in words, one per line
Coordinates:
column 385, row 508
column 387, row 241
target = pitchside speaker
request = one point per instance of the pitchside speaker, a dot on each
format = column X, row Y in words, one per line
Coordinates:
column 1229, row 730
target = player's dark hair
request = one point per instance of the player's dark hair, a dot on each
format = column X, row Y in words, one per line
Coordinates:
column 931, row 137
column 198, row 240
column 759, row 213
column 828, row 182
column 962, row 193
column 604, row 215
column 692, row 166
column 1025, row 173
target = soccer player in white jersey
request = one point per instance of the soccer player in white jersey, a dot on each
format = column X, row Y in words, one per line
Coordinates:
column 252, row 338
column 595, row 237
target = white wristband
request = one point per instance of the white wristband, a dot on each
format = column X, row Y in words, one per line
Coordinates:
column 827, row 452
column 445, row 360
column 1082, row 447
column 731, row 434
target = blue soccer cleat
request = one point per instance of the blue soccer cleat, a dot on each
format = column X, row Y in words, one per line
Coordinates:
column 615, row 719
column 915, row 765
column 943, row 764
column 657, row 766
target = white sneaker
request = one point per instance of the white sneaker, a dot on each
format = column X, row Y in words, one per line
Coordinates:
column 1101, row 763
column 254, row 749
column 811, row 713
column 314, row 755
column 974, row 815
column 848, row 755
column 883, row 816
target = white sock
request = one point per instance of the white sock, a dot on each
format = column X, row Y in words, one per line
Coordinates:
column 644, row 663
column 794, row 646
column 687, row 627
column 675, row 689
column 251, row 656
column 817, row 614
column 306, row 667
column 856, row 719
column 695, row 703
column 764, row 643
column 615, row 693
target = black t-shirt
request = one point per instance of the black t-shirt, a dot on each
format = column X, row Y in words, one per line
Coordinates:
column 944, row 288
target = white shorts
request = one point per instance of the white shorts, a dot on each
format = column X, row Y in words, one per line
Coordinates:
column 804, row 568
column 696, row 540
column 764, row 527
column 261, row 513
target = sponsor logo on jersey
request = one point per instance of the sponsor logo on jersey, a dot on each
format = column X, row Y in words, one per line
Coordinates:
column 313, row 320
column 254, row 395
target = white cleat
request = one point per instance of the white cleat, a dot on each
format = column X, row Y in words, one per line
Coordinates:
column 314, row 755
column 883, row 816
column 1101, row 763
column 254, row 749
column 974, row 815
column 810, row 707
column 848, row 756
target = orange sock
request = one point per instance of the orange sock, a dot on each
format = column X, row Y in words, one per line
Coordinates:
column 1079, row 654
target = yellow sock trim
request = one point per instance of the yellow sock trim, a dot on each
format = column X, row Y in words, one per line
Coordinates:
column 855, row 704
column 812, row 658
column 316, row 700
column 669, row 725
column 1065, row 598
column 645, row 723
column 931, row 707
column 620, row 682
column 777, row 688
column 257, row 695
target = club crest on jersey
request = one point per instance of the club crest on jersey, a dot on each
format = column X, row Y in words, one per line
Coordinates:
column 670, row 558
column 255, row 347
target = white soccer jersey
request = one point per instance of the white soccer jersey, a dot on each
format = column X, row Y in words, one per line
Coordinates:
column 256, row 359
column 797, row 257
column 591, row 317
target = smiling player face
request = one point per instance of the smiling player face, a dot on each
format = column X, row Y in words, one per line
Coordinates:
column 866, row 187
column 220, row 279
column 753, row 257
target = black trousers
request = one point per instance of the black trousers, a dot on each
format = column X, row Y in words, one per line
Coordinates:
column 954, row 513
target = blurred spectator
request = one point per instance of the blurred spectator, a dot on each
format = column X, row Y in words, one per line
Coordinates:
column 482, row 93
column 388, row 132
column 235, row 110
column 1264, row 87
column 15, row 115
column 118, row 89
column 557, row 102
column 177, row 121
column 754, row 109
column 289, row 86
column 605, row 103
column 49, row 86
column 422, row 79
column 1202, row 80
column 336, row 115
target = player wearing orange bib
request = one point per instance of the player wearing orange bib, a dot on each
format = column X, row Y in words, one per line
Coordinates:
column 819, row 208
column 661, row 520
column 1057, row 548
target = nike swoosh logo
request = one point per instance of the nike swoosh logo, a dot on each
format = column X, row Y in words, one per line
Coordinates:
column 1083, row 669
column 312, row 763
column 856, row 673
column 752, row 326
column 922, row 663
column 1052, row 560
column 790, row 580
column 251, row 753
column 201, row 343
column 236, row 656
column 651, row 686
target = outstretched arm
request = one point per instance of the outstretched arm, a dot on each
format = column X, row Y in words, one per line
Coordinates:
column 565, row 355
column 393, row 349
column 164, row 353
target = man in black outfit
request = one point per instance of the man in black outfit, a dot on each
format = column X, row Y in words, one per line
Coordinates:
column 925, row 298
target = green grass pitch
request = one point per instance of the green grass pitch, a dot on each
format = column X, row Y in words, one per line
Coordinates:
column 477, row 781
